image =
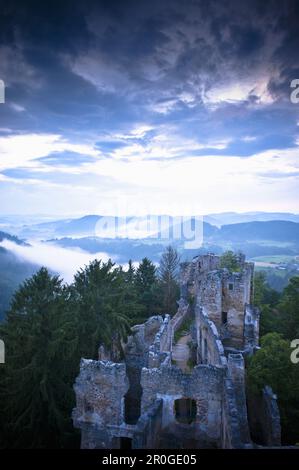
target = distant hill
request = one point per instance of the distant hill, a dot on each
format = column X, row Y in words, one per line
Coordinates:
column 12, row 238
column 79, row 227
column 93, row 225
column 259, row 238
column 98, row 225
column 75, row 227
column 13, row 272
column 255, row 238
column 276, row 230
column 252, row 238
column 228, row 218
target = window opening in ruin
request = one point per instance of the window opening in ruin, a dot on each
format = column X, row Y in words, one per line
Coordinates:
column 230, row 286
column 185, row 410
column 132, row 408
column 205, row 358
column 125, row 443
column 87, row 407
column 224, row 318
column 132, row 399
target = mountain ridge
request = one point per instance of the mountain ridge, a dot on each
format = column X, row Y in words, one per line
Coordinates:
column 91, row 224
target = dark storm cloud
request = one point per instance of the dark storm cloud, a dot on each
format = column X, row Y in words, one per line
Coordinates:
column 103, row 66
column 287, row 54
column 56, row 25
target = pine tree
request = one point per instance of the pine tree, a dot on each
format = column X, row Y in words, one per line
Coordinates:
column 147, row 285
column 168, row 275
column 97, row 294
column 266, row 299
column 130, row 273
column 289, row 310
column 36, row 395
column 130, row 300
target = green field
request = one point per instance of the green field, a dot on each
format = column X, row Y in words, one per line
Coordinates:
column 276, row 259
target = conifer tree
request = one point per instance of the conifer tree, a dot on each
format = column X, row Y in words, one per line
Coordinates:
column 101, row 316
column 148, row 287
column 35, row 394
column 168, row 275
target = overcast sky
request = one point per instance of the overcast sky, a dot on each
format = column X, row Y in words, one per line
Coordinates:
column 135, row 107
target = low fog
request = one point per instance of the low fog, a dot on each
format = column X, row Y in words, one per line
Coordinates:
column 63, row 261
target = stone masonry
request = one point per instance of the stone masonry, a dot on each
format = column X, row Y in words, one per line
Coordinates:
column 146, row 401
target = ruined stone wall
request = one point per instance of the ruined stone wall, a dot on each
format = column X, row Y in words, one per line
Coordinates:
column 251, row 328
column 162, row 341
column 210, row 296
column 210, row 349
column 223, row 294
column 271, row 418
column 148, row 429
column 141, row 350
column 235, row 295
column 192, row 274
column 230, row 426
column 161, row 344
column 264, row 418
column 160, row 350
column 181, row 315
column 236, row 372
column 100, row 388
column 145, row 338
column 204, row 385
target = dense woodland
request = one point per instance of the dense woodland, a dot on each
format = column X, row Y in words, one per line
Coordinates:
column 51, row 325
column 272, row 364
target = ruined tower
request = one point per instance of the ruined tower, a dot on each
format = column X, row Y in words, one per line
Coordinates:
column 177, row 388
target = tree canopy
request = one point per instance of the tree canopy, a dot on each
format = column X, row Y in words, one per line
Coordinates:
column 271, row 365
column 49, row 327
column 168, row 276
column 229, row 260
column 35, row 393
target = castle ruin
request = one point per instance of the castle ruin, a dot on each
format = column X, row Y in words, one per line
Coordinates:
column 182, row 389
